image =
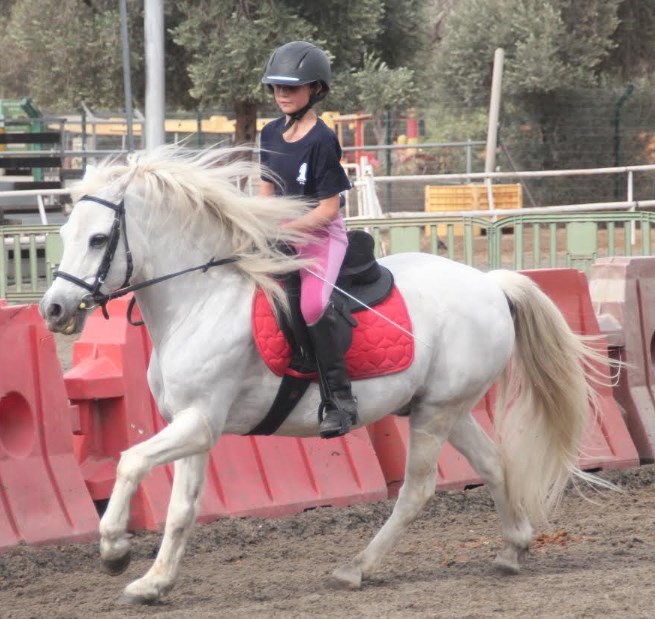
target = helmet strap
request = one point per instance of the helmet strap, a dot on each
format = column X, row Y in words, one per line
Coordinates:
column 296, row 116
column 316, row 95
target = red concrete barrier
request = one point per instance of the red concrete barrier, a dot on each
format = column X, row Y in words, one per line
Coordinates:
column 43, row 498
column 623, row 294
column 258, row 476
column 607, row 442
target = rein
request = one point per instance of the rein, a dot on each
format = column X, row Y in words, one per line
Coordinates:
column 101, row 299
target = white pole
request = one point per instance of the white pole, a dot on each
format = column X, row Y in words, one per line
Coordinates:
column 127, row 80
column 631, row 197
column 494, row 114
column 153, row 26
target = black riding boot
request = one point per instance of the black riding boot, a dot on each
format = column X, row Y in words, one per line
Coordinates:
column 339, row 406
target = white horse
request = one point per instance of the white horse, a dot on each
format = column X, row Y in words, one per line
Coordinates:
column 170, row 211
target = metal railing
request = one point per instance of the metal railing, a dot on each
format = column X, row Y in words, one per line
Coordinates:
column 558, row 236
column 28, row 256
column 552, row 237
column 523, row 240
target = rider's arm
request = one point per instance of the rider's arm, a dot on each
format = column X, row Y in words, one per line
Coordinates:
column 266, row 189
column 326, row 211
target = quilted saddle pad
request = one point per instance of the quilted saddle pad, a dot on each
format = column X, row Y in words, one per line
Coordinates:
column 378, row 347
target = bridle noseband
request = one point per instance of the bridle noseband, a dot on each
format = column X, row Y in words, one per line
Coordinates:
column 101, row 299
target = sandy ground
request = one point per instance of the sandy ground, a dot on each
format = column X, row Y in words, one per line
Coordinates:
column 595, row 560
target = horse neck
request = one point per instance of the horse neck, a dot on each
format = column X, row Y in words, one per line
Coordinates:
column 167, row 305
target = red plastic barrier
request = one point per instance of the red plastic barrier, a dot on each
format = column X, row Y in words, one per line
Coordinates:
column 43, row 498
column 258, row 476
column 606, row 444
column 623, row 293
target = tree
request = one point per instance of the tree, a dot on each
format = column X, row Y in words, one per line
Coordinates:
column 633, row 54
column 228, row 44
column 61, row 66
column 230, row 41
column 381, row 90
column 549, row 44
column 551, row 47
column 40, row 39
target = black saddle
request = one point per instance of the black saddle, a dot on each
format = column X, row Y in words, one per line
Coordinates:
column 364, row 282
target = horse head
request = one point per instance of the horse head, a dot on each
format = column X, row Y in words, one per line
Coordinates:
column 97, row 259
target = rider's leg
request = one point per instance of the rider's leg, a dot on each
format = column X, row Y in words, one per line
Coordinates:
column 328, row 254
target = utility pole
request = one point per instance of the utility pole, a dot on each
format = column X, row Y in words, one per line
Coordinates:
column 153, row 26
column 494, row 115
column 127, row 80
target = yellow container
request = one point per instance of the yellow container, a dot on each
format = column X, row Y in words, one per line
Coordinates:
column 455, row 198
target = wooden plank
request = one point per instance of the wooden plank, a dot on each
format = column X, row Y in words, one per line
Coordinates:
column 39, row 137
column 28, row 185
column 71, row 174
column 11, row 163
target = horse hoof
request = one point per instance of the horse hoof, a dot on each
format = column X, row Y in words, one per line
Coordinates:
column 347, row 577
column 114, row 567
column 504, row 566
column 129, row 599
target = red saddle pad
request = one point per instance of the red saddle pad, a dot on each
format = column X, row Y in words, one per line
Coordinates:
column 378, row 347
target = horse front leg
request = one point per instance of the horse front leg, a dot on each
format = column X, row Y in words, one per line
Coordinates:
column 187, row 435
column 418, row 486
column 189, row 477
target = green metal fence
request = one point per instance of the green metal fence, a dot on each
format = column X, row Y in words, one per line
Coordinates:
column 518, row 241
column 28, row 257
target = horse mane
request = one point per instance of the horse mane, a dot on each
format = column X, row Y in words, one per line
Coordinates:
column 204, row 191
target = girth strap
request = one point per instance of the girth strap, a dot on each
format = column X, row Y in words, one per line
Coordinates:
column 292, row 388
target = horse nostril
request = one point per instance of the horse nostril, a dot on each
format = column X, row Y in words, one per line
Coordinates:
column 53, row 311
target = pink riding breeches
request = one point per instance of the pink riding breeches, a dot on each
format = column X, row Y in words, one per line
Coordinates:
column 327, row 252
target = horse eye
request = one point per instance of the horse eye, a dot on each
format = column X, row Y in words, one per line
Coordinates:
column 98, row 240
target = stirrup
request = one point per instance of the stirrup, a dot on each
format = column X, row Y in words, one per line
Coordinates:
column 335, row 422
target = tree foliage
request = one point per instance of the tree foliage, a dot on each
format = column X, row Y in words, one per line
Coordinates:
column 65, row 52
column 44, row 47
column 386, row 56
column 380, row 89
column 230, row 42
column 549, row 45
column 553, row 49
column 633, row 54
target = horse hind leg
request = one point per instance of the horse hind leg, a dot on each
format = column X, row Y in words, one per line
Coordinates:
column 473, row 443
column 425, row 442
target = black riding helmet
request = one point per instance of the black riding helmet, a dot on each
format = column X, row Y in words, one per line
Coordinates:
column 295, row 64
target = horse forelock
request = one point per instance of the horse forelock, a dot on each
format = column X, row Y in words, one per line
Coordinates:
column 202, row 192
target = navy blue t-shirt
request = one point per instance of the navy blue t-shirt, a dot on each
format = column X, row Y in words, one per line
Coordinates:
column 309, row 167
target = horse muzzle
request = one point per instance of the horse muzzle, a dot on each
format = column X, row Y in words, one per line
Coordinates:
column 64, row 315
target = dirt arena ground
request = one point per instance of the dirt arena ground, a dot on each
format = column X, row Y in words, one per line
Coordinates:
column 595, row 560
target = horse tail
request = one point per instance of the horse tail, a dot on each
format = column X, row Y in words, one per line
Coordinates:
column 543, row 400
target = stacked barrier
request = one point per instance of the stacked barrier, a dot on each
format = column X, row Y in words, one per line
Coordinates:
column 257, row 476
column 48, row 481
column 607, row 442
column 623, row 292
column 42, row 493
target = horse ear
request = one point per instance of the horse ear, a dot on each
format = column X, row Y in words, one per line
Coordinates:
column 90, row 172
column 120, row 184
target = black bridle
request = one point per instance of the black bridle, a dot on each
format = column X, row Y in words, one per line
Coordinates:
column 101, row 299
